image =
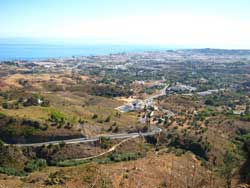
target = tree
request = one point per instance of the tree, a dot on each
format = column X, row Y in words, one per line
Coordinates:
column 108, row 119
column 95, row 116
column 5, row 105
column 62, row 144
column 209, row 102
column 228, row 168
column 1, row 142
column 247, row 110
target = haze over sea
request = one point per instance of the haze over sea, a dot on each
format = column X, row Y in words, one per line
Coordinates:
column 27, row 49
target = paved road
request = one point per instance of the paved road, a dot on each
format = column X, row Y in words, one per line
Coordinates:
column 161, row 93
column 156, row 130
column 105, row 152
column 112, row 136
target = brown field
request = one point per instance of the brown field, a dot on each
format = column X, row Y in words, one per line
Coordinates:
column 156, row 170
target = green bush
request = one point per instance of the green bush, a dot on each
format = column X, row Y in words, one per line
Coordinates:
column 1, row 142
column 68, row 163
column 227, row 170
column 11, row 172
column 105, row 142
column 193, row 144
column 245, row 117
column 35, row 165
column 244, row 141
column 11, row 131
column 2, row 115
column 10, row 105
column 114, row 157
column 62, row 144
column 118, row 157
column 57, row 117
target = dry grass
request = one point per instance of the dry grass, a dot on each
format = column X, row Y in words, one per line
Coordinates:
column 151, row 171
column 32, row 112
column 86, row 107
column 36, row 80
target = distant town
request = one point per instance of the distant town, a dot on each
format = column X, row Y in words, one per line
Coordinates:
column 186, row 109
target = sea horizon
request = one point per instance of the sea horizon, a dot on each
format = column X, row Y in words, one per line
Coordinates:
column 28, row 49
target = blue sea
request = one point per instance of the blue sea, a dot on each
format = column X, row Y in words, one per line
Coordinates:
column 38, row 50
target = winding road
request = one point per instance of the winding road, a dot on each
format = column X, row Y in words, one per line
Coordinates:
column 156, row 130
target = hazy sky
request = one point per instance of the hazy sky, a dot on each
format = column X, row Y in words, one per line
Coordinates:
column 201, row 23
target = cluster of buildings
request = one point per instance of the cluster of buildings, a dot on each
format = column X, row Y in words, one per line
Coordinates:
column 134, row 106
column 180, row 88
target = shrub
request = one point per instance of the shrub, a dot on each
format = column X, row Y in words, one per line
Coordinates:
column 199, row 148
column 11, row 131
column 57, row 178
column 108, row 119
column 109, row 91
column 227, row 170
column 2, row 115
column 11, row 172
column 114, row 157
column 57, row 117
column 245, row 117
column 62, row 144
column 100, row 121
column 1, row 142
column 35, row 165
column 45, row 103
column 116, row 129
column 105, row 142
column 94, row 116
column 209, row 102
column 118, row 157
column 7, row 105
column 68, row 163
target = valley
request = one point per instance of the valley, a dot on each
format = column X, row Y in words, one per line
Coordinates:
column 174, row 118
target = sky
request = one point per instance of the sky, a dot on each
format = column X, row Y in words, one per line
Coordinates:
column 191, row 23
